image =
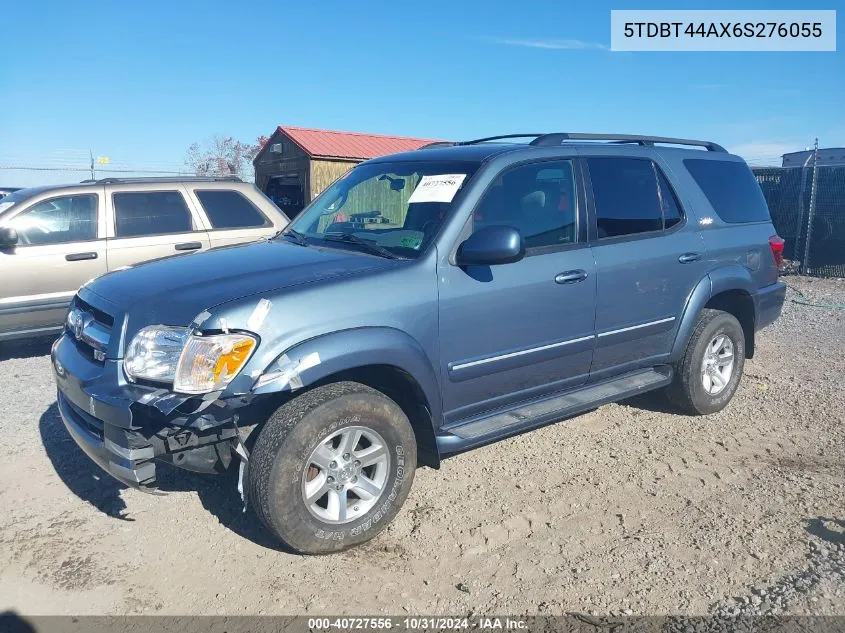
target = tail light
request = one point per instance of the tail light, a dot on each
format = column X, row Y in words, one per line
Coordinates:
column 776, row 243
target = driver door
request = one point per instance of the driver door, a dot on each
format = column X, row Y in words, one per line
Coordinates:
column 514, row 332
column 60, row 246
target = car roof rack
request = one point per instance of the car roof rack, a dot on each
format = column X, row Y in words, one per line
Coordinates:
column 438, row 144
column 148, row 179
column 476, row 141
column 500, row 137
column 557, row 138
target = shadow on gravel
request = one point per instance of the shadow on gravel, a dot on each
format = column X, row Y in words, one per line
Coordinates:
column 830, row 530
column 217, row 493
column 82, row 476
column 651, row 401
column 29, row 348
column 11, row 622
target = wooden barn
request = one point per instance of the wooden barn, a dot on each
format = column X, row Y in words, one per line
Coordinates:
column 297, row 163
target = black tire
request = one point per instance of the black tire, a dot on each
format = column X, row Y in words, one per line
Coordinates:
column 281, row 454
column 687, row 390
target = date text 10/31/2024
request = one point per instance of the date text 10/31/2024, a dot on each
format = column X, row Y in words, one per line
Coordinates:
column 417, row 623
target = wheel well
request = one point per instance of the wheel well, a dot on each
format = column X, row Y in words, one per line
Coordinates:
column 741, row 305
column 404, row 390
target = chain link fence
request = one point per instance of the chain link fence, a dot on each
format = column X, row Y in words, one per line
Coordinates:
column 808, row 210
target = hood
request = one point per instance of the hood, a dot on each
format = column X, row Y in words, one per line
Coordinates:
column 174, row 290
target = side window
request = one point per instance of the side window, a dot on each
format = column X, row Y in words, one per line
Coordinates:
column 229, row 209
column 731, row 188
column 668, row 202
column 625, row 194
column 150, row 213
column 538, row 200
column 59, row 220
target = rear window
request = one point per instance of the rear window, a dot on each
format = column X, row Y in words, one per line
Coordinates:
column 229, row 209
column 731, row 189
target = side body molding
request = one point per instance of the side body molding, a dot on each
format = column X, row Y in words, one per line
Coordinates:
column 731, row 277
column 320, row 357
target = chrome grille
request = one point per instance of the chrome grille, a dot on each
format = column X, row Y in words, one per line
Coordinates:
column 99, row 315
column 90, row 327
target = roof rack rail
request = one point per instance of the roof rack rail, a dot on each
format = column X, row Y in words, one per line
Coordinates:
column 497, row 138
column 147, row 179
column 438, row 144
column 556, row 138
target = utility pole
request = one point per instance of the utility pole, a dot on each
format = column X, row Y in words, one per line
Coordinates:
column 91, row 152
column 805, row 263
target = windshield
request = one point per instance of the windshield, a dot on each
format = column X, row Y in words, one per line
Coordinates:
column 18, row 195
column 398, row 207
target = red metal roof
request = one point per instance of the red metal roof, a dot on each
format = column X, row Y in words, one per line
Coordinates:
column 352, row 145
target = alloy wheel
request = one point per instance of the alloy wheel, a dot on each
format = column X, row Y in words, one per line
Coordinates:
column 345, row 475
column 718, row 364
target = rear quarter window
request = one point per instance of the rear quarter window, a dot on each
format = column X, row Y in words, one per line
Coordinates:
column 731, row 188
column 229, row 209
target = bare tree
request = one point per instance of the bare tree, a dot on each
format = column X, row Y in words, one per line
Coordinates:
column 223, row 156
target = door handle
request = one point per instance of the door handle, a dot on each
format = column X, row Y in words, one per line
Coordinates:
column 686, row 258
column 188, row 246
column 570, row 276
column 78, row 257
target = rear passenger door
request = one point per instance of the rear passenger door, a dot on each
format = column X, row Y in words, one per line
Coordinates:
column 648, row 260
column 146, row 224
column 231, row 217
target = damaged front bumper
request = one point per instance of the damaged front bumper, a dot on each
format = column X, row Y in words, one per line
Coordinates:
column 125, row 428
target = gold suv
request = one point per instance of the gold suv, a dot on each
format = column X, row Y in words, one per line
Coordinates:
column 54, row 239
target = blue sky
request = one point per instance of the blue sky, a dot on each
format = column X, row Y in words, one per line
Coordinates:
column 139, row 82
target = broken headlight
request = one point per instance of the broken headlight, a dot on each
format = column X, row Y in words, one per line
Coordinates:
column 193, row 364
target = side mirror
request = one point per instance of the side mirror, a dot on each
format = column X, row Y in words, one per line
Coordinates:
column 491, row 245
column 8, row 236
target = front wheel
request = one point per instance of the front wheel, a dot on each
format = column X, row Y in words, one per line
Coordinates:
column 332, row 467
column 708, row 375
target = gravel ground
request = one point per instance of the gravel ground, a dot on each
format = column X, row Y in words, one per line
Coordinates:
column 628, row 509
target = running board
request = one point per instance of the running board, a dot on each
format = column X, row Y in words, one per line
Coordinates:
column 503, row 424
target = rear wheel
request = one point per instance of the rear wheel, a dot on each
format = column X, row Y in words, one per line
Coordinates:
column 708, row 375
column 332, row 467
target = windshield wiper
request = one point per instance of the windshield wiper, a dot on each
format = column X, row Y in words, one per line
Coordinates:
column 368, row 244
column 295, row 236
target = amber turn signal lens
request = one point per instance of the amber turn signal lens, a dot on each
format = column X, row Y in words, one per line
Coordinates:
column 209, row 363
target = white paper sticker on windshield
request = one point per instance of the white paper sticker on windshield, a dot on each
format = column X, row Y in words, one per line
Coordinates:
column 440, row 188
